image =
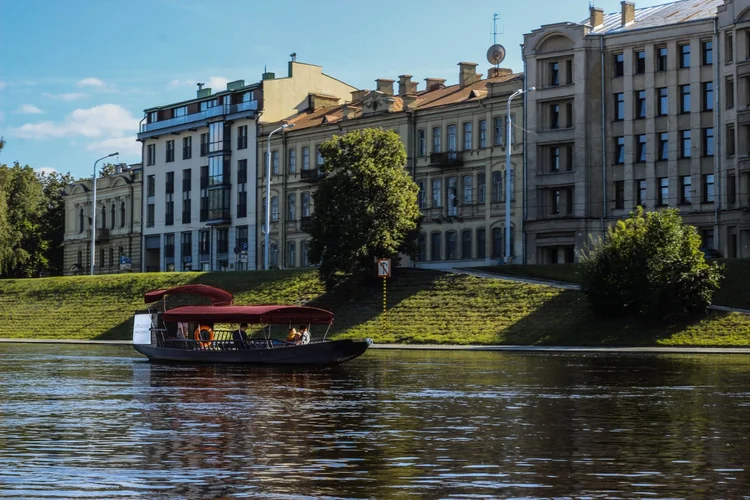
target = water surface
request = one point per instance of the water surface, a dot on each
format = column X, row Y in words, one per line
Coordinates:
column 101, row 422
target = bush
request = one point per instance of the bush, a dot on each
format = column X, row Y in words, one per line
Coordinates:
column 649, row 265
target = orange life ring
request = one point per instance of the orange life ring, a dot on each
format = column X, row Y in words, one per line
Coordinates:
column 201, row 333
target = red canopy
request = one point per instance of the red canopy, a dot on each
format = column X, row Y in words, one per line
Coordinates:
column 250, row 314
column 218, row 296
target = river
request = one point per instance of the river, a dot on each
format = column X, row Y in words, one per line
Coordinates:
column 102, row 422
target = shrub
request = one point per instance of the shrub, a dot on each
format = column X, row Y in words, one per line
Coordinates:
column 649, row 265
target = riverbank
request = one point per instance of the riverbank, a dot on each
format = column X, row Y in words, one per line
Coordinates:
column 424, row 307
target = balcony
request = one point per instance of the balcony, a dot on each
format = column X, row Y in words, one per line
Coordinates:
column 311, row 175
column 102, row 235
column 194, row 118
column 743, row 164
column 448, row 159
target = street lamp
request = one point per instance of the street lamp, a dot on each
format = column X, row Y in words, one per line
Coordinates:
column 267, row 229
column 508, row 178
column 93, row 213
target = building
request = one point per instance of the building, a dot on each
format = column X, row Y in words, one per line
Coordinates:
column 118, row 223
column 455, row 140
column 625, row 113
column 199, row 159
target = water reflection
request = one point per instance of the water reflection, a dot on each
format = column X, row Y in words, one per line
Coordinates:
column 99, row 422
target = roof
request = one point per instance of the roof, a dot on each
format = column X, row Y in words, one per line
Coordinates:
column 682, row 11
column 425, row 99
column 266, row 314
column 218, row 296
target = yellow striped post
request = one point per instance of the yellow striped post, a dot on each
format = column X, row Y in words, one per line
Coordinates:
column 385, row 302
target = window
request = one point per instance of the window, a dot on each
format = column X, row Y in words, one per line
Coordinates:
column 554, row 116
column 707, row 238
column 640, row 104
column 274, row 209
column 150, row 215
column 209, row 104
column 661, row 59
column 619, row 150
column 569, row 71
column 497, row 243
column 554, row 159
column 242, row 137
column 468, row 186
column 467, row 136
column 151, row 186
column 437, row 193
column 569, row 157
column 662, row 101
column 204, row 144
column 304, row 261
column 482, row 134
column 640, row 148
column 729, row 47
column 554, row 74
column 663, row 146
column 216, row 134
column 731, row 189
column 169, row 184
column 291, row 254
column 422, row 142
column 170, row 151
column 685, row 98
column 640, row 62
column 186, row 207
column 685, row 190
column 153, row 116
column 708, row 96
column 684, row 55
column 169, row 199
column 663, row 197
column 421, row 195
column 708, row 188
column 187, row 147
column 619, row 64
column 80, row 221
column 275, row 162
column 292, row 167
column 436, row 140
column 730, row 140
column 707, row 53
column 122, row 214
column 498, row 132
column 451, row 196
column 685, row 143
column 435, row 246
column 305, row 204
column 466, row 244
column 305, row 158
column 318, row 157
column 729, row 94
column 150, row 154
column 497, row 187
column 421, row 247
column 569, row 114
column 619, row 194
column 242, row 200
column 451, row 250
column 178, row 112
column 708, row 141
column 218, row 167
column 112, row 217
column 641, row 194
column 619, row 106
column 555, row 201
column 481, row 243
column 204, row 193
column 452, row 145
column 291, row 209
column 481, row 188
column 204, row 244
column 104, row 217
column 168, row 246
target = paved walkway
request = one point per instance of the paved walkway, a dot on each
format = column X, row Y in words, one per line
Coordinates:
column 558, row 284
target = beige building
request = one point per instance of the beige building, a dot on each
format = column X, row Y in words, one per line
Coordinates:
column 625, row 113
column 199, row 159
column 455, row 140
column 118, row 223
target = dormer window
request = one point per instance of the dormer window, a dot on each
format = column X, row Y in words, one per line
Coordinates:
column 209, row 104
column 181, row 111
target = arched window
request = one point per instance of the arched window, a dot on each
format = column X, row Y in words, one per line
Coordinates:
column 274, row 255
column 435, row 246
column 291, row 254
column 80, row 221
column 304, row 262
column 451, row 250
column 497, row 186
column 497, row 243
column 466, row 244
column 104, row 220
column 421, row 247
column 122, row 214
column 112, row 217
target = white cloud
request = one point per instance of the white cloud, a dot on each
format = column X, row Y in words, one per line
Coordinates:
column 215, row 83
column 126, row 146
column 45, row 170
column 28, row 109
column 71, row 96
column 91, row 82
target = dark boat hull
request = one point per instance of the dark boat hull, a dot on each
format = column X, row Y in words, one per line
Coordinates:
column 325, row 353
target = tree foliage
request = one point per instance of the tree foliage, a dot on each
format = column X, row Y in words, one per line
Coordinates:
column 108, row 170
column 365, row 206
column 649, row 265
column 53, row 222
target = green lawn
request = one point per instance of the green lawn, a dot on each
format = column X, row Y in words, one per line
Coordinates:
column 424, row 307
column 734, row 291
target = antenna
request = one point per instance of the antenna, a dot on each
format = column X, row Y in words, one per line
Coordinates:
column 494, row 28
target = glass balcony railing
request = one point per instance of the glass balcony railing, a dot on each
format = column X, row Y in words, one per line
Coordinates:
column 226, row 109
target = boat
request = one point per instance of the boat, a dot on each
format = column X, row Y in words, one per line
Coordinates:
column 186, row 333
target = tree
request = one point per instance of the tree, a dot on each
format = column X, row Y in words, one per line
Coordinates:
column 53, row 222
column 365, row 206
column 649, row 265
column 108, row 170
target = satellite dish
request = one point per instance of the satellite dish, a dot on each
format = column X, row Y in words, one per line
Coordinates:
column 496, row 54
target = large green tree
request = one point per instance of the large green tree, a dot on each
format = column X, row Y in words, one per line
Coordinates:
column 649, row 265
column 53, row 222
column 365, row 206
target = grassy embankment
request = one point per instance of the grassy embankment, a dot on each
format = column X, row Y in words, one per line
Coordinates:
column 734, row 291
column 424, row 307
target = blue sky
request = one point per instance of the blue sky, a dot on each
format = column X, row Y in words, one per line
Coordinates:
column 76, row 75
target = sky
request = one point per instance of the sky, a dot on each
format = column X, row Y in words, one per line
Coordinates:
column 76, row 75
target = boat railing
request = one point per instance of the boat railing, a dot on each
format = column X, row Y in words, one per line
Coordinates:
column 222, row 341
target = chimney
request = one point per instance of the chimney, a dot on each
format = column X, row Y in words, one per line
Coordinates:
column 495, row 72
column 597, row 16
column 410, row 102
column 384, row 85
column 357, row 95
column 433, row 83
column 317, row 101
column 467, row 73
column 347, row 112
column 628, row 12
column 406, row 86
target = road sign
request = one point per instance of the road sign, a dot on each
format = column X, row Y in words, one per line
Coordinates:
column 244, row 247
column 384, row 268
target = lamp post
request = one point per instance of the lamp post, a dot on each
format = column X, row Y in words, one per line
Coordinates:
column 508, row 177
column 267, row 229
column 93, row 213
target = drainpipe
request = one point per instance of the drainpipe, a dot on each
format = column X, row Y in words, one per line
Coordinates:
column 604, row 139
column 524, row 193
column 718, row 130
column 283, row 158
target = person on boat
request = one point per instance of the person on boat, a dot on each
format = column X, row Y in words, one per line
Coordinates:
column 304, row 335
column 239, row 336
column 294, row 335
